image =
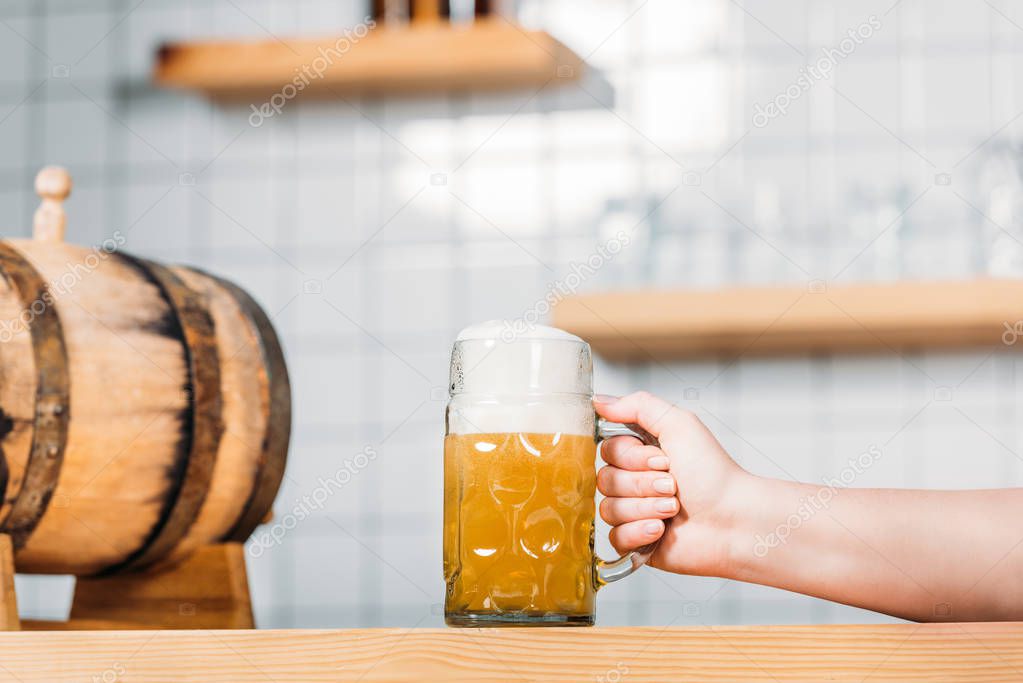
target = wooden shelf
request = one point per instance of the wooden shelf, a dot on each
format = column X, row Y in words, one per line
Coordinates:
column 890, row 652
column 661, row 324
column 428, row 57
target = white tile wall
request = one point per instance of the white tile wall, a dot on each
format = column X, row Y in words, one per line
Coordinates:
column 329, row 215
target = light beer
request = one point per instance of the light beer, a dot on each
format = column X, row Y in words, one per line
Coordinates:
column 518, row 526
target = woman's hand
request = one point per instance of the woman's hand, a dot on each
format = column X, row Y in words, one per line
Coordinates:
column 923, row 555
column 689, row 480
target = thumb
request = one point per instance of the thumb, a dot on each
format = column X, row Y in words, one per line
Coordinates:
column 653, row 414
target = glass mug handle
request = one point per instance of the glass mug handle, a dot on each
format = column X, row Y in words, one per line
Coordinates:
column 608, row 572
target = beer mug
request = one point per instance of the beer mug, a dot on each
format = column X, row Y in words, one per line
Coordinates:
column 520, row 479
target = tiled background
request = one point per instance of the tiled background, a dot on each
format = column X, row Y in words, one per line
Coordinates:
column 329, row 215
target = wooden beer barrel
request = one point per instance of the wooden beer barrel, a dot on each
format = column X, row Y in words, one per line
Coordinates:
column 144, row 410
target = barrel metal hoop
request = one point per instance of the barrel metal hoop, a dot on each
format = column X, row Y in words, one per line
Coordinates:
column 276, row 386
column 4, row 471
column 3, row 476
column 204, row 397
column 52, row 401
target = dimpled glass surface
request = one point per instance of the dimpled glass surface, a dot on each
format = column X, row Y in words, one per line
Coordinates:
column 518, row 526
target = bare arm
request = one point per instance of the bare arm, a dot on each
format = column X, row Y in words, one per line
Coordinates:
column 921, row 555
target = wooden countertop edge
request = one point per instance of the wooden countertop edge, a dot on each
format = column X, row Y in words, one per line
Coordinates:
column 881, row 652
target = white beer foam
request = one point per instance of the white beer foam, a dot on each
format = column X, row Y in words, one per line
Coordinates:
column 533, row 382
column 569, row 416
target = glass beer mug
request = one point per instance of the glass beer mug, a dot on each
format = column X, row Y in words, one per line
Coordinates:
column 520, row 479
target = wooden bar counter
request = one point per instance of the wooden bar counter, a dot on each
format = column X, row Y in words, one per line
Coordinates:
column 891, row 652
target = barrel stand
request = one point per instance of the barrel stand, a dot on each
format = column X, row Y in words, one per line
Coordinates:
column 208, row 590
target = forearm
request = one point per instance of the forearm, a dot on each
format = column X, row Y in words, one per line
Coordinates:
column 922, row 555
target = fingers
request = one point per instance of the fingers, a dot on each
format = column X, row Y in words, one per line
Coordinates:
column 617, row 511
column 648, row 411
column 629, row 453
column 632, row 535
column 618, row 483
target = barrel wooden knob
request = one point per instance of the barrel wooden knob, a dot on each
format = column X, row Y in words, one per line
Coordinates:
column 53, row 185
